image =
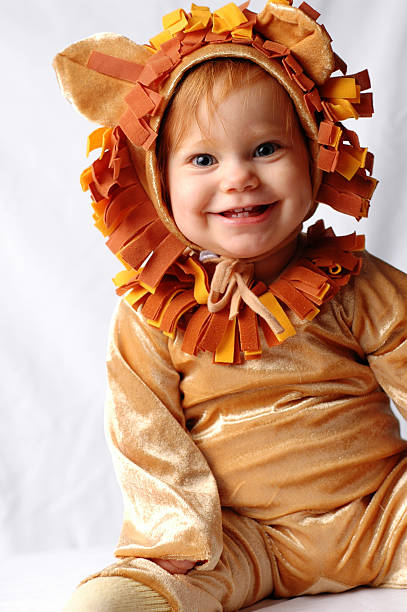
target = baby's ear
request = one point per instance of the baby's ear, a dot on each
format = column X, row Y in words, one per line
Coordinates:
column 97, row 96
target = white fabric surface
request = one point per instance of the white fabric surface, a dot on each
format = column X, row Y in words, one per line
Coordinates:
column 43, row 582
column 57, row 488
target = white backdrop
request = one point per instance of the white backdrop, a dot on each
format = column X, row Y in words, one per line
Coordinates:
column 57, row 488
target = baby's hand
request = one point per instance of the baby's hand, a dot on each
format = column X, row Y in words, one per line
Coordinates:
column 175, row 567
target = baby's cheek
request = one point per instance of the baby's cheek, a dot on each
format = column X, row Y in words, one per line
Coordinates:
column 184, row 222
column 177, row 204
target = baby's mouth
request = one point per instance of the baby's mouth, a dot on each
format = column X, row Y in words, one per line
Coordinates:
column 248, row 211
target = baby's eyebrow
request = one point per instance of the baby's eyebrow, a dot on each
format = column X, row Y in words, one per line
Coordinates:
column 206, row 140
column 196, row 145
column 272, row 128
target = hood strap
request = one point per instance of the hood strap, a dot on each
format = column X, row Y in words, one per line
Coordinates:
column 231, row 284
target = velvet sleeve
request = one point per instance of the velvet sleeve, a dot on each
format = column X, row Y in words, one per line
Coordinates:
column 380, row 325
column 171, row 502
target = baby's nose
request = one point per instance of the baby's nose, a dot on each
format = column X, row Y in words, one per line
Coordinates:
column 239, row 177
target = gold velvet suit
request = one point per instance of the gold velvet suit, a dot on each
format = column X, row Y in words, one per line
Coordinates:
column 299, row 450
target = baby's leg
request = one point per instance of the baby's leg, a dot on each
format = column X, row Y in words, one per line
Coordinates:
column 393, row 521
column 363, row 542
column 113, row 594
column 242, row 577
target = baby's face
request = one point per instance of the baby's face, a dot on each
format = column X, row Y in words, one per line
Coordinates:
column 239, row 181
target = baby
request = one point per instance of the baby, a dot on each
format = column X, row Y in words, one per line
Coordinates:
column 250, row 366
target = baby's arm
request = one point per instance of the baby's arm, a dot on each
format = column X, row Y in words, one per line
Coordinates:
column 171, row 503
column 379, row 323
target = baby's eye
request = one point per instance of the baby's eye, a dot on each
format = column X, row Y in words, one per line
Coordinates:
column 203, row 160
column 266, row 149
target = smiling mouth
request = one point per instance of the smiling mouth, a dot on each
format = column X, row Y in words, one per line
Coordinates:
column 248, row 211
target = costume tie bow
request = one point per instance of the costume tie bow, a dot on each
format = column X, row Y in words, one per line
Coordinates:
column 230, row 285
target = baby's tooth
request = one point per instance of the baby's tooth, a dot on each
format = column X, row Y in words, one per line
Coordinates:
column 241, row 212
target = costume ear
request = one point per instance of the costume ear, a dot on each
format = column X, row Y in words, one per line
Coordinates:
column 97, row 96
column 298, row 30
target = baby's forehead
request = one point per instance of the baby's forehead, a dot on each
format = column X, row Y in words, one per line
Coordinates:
column 255, row 108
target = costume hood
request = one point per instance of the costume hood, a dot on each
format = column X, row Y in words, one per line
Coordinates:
column 126, row 88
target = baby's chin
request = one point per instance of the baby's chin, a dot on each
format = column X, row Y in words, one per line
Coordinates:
column 248, row 254
column 238, row 249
